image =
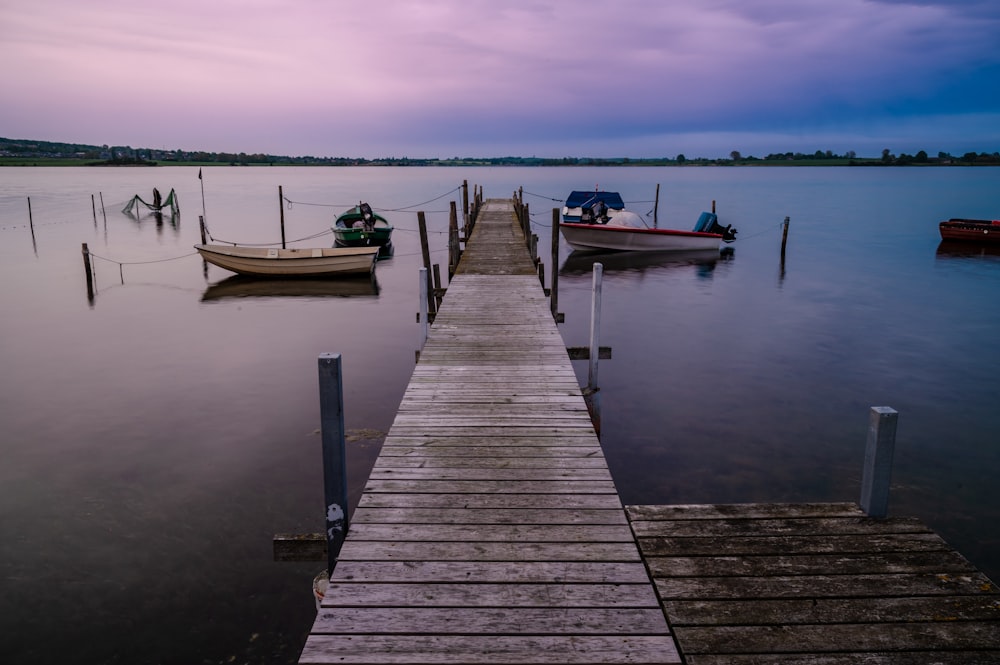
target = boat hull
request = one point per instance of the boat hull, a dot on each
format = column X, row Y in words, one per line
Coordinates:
column 593, row 237
column 308, row 262
column 971, row 230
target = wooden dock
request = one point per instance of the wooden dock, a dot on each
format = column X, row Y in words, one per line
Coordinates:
column 815, row 584
column 490, row 530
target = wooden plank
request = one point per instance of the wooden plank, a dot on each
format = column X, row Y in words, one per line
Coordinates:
column 821, row 586
column 938, row 561
column 472, row 500
column 749, row 545
column 834, row 637
column 488, row 474
column 533, row 515
column 419, row 649
column 906, row 609
column 491, row 486
column 733, row 528
column 624, row 583
column 742, row 511
column 591, row 621
column 492, row 533
column 430, row 460
column 360, row 550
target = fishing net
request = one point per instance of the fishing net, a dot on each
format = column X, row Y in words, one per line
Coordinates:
column 170, row 202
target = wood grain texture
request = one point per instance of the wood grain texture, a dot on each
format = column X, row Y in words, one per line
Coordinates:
column 814, row 584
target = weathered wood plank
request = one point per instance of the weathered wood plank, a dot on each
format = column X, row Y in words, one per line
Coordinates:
column 472, row 500
column 549, row 516
column 906, row 609
column 941, row 561
column 429, row 460
column 491, row 487
column 491, row 533
column 834, row 637
column 732, row 528
column 488, row 473
column 971, row 657
column 592, row 621
column 360, row 550
column 749, row 545
column 474, row 594
column 489, row 649
column 743, row 511
column 637, row 592
column 825, row 586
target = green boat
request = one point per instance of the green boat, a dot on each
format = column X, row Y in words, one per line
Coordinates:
column 361, row 227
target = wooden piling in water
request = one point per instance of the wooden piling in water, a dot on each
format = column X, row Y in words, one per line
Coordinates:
column 281, row 209
column 879, row 450
column 331, row 397
column 784, row 237
column 426, row 252
column 89, row 272
column 554, row 292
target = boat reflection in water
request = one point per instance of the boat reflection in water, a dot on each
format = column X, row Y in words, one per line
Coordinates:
column 240, row 286
column 956, row 249
column 704, row 261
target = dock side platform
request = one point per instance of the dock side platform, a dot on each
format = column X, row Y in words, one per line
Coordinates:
column 490, row 530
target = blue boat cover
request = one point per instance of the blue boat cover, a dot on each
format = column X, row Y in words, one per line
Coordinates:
column 611, row 199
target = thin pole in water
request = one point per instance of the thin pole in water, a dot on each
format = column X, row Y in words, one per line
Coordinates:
column 656, row 206
column 281, row 208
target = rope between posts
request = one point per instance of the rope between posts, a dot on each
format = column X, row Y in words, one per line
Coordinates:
column 139, row 263
column 290, row 203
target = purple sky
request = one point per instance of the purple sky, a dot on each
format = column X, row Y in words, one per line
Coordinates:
column 547, row 78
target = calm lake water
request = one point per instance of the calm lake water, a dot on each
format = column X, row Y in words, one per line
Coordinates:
column 156, row 437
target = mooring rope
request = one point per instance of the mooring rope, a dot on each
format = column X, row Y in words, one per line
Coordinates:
column 289, row 203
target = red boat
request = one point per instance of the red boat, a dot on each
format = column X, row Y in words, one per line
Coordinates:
column 971, row 230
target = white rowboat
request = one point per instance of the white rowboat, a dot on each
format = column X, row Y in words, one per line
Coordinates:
column 306, row 262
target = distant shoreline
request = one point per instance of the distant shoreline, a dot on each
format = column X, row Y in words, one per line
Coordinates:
column 40, row 162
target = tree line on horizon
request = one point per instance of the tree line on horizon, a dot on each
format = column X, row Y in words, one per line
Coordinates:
column 17, row 149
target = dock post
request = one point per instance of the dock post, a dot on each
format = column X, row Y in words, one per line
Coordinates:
column 281, row 211
column 465, row 206
column 422, row 316
column 554, row 297
column 595, row 326
column 90, row 274
column 331, row 402
column 201, row 225
column 426, row 252
column 878, row 460
column 784, row 237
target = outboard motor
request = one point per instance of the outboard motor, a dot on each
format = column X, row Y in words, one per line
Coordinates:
column 594, row 211
column 709, row 223
column 367, row 216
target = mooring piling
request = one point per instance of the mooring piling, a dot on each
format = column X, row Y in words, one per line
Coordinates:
column 331, row 399
column 879, row 450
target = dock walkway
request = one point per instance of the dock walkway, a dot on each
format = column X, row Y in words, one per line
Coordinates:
column 490, row 530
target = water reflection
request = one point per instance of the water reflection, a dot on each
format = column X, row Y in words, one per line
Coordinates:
column 966, row 250
column 240, row 286
column 704, row 261
column 173, row 219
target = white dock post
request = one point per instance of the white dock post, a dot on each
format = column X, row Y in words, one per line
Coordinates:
column 424, row 324
column 878, row 461
column 331, row 402
column 595, row 326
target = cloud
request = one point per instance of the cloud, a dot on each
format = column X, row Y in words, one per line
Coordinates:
column 363, row 78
